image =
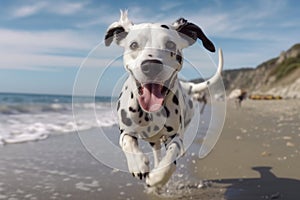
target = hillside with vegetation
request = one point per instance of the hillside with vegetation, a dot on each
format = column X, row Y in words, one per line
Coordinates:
column 278, row 76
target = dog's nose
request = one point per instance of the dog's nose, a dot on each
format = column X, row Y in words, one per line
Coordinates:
column 151, row 67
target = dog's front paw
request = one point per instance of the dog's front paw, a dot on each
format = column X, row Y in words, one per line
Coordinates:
column 138, row 164
column 159, row 176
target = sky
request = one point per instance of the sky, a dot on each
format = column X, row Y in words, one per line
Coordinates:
column 46, row 45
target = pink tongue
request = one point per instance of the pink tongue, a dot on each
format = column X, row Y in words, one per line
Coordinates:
column 151, row 100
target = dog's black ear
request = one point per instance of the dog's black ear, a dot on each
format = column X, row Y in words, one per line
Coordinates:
column 118, row 30
column 117, row 33
column 191, row 32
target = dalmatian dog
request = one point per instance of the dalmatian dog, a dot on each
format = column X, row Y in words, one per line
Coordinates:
column 154, row 105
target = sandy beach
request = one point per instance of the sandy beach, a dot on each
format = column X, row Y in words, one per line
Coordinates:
column 256, row 157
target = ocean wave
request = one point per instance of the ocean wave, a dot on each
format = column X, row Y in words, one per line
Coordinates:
column 15, row 109
column 32, row 122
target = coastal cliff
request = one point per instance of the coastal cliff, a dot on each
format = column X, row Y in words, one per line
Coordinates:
column 278, row 76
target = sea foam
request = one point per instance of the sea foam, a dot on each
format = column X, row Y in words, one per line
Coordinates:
column 24, row 121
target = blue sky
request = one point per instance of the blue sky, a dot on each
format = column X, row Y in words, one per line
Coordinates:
column 43, row 43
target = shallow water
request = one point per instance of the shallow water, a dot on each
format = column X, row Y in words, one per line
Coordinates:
column 62, row 168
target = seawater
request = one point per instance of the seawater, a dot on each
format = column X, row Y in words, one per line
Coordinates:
column 31, row 117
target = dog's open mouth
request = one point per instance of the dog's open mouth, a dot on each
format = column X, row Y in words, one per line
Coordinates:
column 152, row 96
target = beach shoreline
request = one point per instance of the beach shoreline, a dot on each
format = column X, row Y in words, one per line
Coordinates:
column 256, row 157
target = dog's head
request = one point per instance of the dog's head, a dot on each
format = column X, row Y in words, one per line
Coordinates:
column 153, row 54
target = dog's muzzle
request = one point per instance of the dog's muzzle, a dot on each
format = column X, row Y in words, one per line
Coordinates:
column 151, row 68
column 152, row 92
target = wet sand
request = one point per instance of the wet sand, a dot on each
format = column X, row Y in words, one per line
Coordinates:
column 256, row 157
column 258, row 153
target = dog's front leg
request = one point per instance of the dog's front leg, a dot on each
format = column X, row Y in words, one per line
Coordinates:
column 138, row 163
column 156, row 152
column 160, row 175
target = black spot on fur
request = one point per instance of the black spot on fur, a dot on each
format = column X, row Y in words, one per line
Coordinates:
column 140, row 111
column 126, row 87
column 147, row 117
column 190, row 103
column 169, row 128
column 165, row 112
column 125, row 119
column 172, row 54
column 156, row 128
column 132, row 109
column 190, row 90
column 149, row 129
column 180, row 119
column 165, row 26
column 140, row 121
column 207, row 83
column 176, row 111
column 179, row 57
column 144, row 134
column 151, row 144
column 121, row 131
column 175, row 163
column 131, row 95
column 118, row 106
column 175, row 99
column 120, row 95
column 173, row 136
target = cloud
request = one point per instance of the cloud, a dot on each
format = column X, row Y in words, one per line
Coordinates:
column 39, row 40
column 169, row 5
column 42, row 49
column 102, row 17
column 41, row 62
column 28, row 10
column 66, row 8
column 52, row 7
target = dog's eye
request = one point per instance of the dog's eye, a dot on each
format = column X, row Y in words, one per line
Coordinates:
column 134, row 46
column 171, row 45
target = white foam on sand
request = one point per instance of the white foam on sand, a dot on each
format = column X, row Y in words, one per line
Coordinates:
column 87, row 186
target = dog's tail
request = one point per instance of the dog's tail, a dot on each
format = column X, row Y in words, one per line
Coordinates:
column 193, row 88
